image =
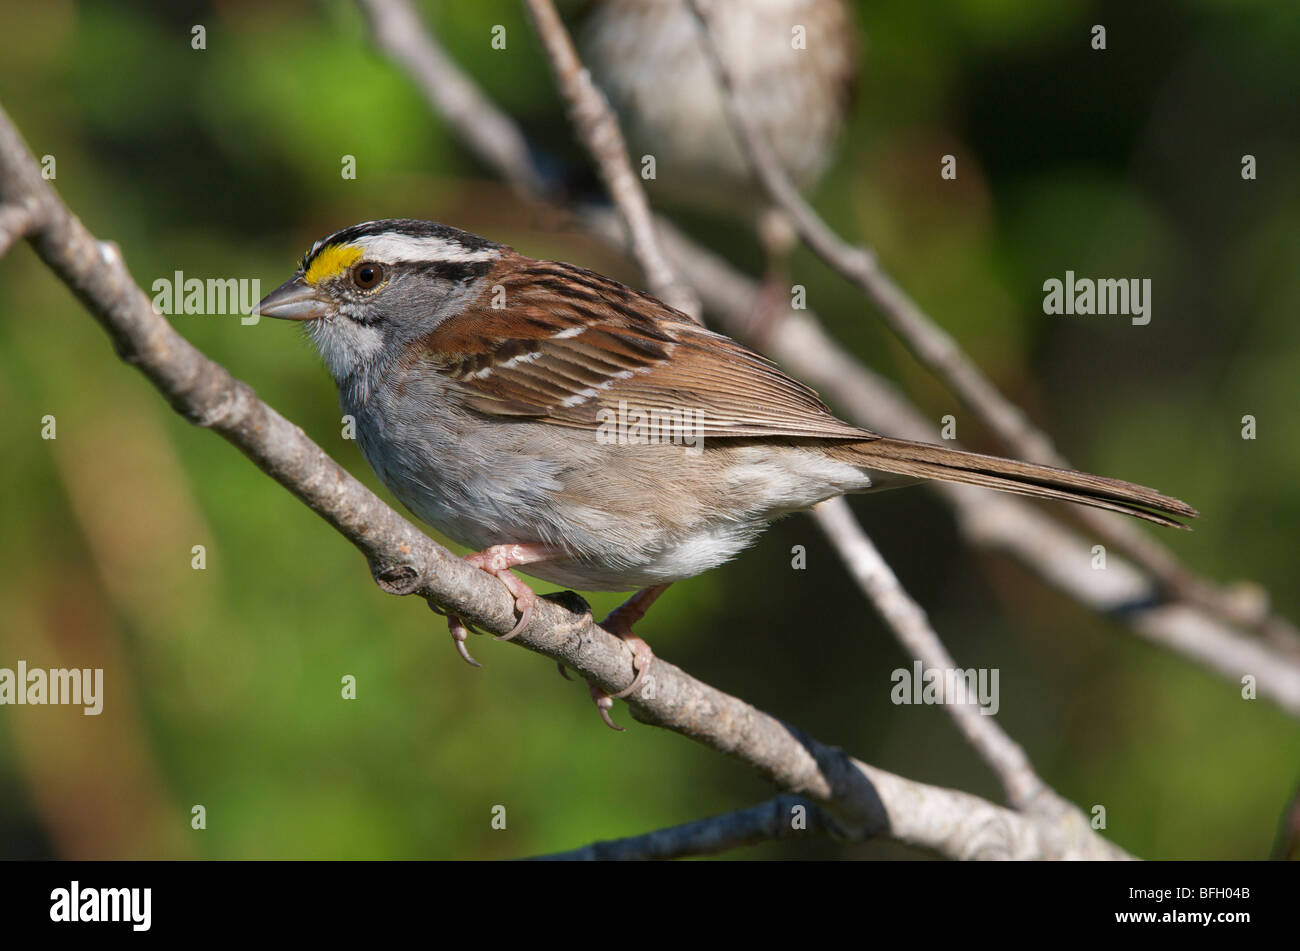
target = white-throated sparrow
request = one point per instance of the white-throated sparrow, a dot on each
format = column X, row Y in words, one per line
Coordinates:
column 587, row 433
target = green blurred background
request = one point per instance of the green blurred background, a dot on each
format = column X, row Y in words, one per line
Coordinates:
column 223, row 685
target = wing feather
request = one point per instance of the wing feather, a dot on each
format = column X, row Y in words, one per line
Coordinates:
column 570, row 347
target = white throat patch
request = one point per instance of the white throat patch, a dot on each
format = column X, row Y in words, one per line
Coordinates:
column 344, row 344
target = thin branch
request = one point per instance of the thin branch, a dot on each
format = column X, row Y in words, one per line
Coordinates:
column 598, row 129
column 489, row 133
column 1022, row 786
column 404, row 561
column 937, row 350
column 15, row 222
column 978, row 830
column 781, row 818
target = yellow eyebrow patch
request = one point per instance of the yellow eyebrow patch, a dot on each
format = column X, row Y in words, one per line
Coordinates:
column 331, row 261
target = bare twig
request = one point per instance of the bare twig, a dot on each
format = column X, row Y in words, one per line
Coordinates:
column 490, row 135
column 780, row 818
column 15, row 220
column 937, row 350
column 403, row 561
column 979, row 829
column 1022, row 786
column 598, row 129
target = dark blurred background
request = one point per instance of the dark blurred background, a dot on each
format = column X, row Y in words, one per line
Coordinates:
column 223, row 685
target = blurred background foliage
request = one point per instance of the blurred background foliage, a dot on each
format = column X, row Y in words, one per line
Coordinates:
column 223, row 685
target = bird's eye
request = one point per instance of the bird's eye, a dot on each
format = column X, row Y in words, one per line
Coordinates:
column 367, row 275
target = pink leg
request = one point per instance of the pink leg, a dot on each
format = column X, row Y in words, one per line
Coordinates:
column 619, row 623
column 497, row 561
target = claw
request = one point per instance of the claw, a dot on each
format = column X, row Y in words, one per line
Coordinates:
column 619, row 623
column 563, row 673
column 459, row 634
column 525, row 608
column 497, row 561
column 642, row 655
column 604, row 703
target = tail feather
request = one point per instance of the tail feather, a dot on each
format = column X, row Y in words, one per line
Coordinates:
column 924, row 461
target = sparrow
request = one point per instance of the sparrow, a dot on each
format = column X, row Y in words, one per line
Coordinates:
column 794, row 63
column 558, row 422
column 794, row 67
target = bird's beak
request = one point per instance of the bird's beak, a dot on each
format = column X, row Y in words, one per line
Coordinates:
column 295, row 300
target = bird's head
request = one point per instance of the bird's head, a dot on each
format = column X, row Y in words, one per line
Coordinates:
column 364, row 291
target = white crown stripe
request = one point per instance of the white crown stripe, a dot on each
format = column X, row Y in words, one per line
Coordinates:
column 392, row 248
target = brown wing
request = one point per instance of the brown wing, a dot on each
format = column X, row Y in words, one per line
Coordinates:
column 569, row 346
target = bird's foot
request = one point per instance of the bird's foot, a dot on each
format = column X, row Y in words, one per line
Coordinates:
column 619, row 623
column 497, row 561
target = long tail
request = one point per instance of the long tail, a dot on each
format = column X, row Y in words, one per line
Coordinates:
column 924, row 461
